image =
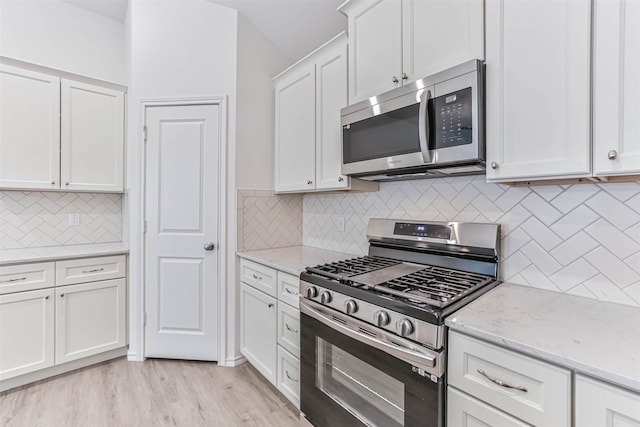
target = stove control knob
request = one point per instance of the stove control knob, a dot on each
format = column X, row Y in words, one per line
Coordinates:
column 325, row 297
column 381, row 318
column 350, row 306
column 404, row 327
column 312, row 292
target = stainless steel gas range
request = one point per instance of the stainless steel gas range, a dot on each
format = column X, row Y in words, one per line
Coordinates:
column 373, row 341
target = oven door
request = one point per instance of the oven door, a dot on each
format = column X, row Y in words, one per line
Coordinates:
column 348, row 376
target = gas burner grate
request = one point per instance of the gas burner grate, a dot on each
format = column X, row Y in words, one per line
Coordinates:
column 435, row 285
column 353, row 266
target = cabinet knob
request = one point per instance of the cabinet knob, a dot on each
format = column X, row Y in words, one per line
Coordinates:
column 613, row 154
column 494, row 165
column 340, row 179
column 61, row 295
column 395, row 79
column 209, row 246
column 53, row 182
column 404, row 76
column 309, row 182
column 66, row 183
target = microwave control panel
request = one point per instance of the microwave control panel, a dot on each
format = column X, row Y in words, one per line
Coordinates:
column 453, row 124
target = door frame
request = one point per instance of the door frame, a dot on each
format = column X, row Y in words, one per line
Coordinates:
column 223, row 200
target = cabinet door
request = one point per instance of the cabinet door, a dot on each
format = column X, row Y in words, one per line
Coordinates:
column 92, row 132
column 537, row 89
column 30, row 130
column 90, row 319
column 26, row 332
column 600, row 404
column 616, row 98
column 464, row 410
column 258, row 330
column 375, row 47
column 331, row 96
column 295, row 130
column 439, row 34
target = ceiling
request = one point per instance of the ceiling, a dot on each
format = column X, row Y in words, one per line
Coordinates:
column 295, row 27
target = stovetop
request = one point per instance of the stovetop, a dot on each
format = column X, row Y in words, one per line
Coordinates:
column 415, row 284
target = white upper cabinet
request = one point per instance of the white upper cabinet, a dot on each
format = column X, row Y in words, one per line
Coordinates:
column 375, row 47
column 92, row 155
column 309, row 96
column 59, row 134
column 331, row 96
column 616, row 88
column 29, row 129
column 538, row 89
column 439, row 34
column 393, row 42
column 295, row 130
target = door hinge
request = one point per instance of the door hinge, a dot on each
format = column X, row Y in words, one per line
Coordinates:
column 144, row 129
column 144, row 320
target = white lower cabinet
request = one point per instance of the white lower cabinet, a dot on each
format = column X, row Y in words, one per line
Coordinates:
column 525, row 388
column 270, row 327
column 90, row 319
column 464, row 410
column 289, row 376
column 60, row 323
column 605, row 405
column 26, row 332
column 258, row 330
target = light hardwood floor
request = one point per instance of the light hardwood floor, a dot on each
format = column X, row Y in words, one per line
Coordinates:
column 151, row 393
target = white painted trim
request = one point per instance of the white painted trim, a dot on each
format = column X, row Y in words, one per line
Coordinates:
column 226, row 185
column 232, row 362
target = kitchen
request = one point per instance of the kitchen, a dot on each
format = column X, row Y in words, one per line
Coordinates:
column 569, row 237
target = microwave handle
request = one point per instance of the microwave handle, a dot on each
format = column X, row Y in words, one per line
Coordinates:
column 423, row 126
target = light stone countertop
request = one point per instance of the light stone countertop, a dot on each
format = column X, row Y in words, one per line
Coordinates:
column 294, row 259
column 52, row 253
column 592, row 337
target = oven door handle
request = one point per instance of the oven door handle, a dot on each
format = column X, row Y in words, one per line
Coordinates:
column 418, row 357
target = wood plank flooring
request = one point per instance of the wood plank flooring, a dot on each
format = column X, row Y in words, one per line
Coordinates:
column 152, row 393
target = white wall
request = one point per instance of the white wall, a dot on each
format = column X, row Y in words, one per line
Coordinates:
column 60, row 35
column 177, row 49
column 258, row 62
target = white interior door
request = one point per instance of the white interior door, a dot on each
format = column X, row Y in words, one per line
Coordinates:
column 182, row 210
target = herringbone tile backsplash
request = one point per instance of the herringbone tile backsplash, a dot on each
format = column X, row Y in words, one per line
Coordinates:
column 37, row 219
column 267, row 220
column 582, row 239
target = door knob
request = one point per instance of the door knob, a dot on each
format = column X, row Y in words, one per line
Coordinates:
column 209, row 246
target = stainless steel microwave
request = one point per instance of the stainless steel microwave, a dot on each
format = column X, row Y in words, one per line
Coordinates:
column 432, row 127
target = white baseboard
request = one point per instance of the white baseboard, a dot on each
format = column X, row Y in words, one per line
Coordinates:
column 60, row 369
column 232, row 362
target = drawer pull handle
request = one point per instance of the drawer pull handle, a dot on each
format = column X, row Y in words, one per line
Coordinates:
column 95, row 270
column 17, row 279
column 289, row 376
column 290, row 329
column 502, row 383
column 289, row 291
column 255, row 276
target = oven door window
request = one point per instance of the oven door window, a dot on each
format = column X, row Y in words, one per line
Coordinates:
column 369, row 394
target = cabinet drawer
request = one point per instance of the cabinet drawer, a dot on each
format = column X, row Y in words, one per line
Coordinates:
column 289, row 376
column 84, row 270
column 26, row 277
column 543, row 393
column 464, row 410
column 289, row 328
column 258, row 276
column 288, row 285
